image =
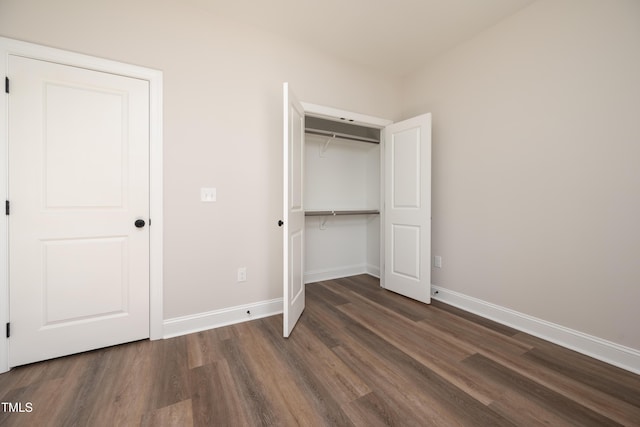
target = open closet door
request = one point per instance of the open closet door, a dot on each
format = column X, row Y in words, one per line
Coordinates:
column 407, row 211
column 293, row 215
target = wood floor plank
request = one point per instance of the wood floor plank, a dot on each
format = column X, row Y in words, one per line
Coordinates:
column 323, row 326
column 391, row 387
column 372, row 410
column 625, row 391
column 176, row 415
column 288, row 402
column 89, row 398
column 215, row 399
column 112, row 388
column 327, row 300
column 433, row 400
column 359, row 356
column 318, row 364
column 572, row 388
column 607, row 378
column 169, row 377
column 204, row 348
column 463, row 406
column 364, row 286
column 401, row 330
column 515, row 406
column 45, row 400
column 539, row 397
column 435, row 349
column 318, row 373
column 322, row 291
column 429, row 349
column 477, row 335
column 23, row 376
column 47, row 386
column 478, row 320
column 416, row 345
column 256, row 404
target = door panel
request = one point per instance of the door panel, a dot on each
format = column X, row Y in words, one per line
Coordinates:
column 296, row 286
column 79, row 178
column 405, row 254
column 293, row 215
column 405, row 151
column 101, row 166
column 91, row 271
column 407, row 216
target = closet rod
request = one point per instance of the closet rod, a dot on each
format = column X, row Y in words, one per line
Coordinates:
column 334, row 213
column 341, row 135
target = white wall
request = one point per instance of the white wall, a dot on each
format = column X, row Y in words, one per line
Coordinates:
column 341, row 177
column 536, row 164
column 222, row 128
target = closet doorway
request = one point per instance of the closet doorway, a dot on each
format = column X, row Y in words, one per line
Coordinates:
column 357, row 199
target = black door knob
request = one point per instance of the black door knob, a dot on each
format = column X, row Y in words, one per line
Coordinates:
column 139, row 223
column 280, row 223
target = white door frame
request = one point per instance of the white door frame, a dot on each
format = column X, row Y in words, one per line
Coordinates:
column 331, row 113
column 347, row 116
column 154, row 77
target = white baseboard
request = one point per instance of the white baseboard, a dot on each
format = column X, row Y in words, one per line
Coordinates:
column 615, row 354
column 334, row 273
column 217, row 318
column 373, row 270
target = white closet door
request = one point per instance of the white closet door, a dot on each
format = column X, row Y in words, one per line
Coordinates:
column 407, row 211
column 79, row 179
column 293, row 211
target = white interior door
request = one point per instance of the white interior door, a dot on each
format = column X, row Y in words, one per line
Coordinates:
column 293, row 211
column 78, row 180
column 407, row 208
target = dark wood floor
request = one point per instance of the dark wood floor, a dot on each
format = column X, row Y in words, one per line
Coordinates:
column 359, row 356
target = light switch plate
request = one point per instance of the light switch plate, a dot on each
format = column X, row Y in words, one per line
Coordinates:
column 208, row 194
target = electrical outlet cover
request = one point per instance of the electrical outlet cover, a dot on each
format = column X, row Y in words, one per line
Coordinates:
column 208, row 194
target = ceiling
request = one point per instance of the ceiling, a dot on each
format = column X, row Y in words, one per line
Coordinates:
column 395, row 37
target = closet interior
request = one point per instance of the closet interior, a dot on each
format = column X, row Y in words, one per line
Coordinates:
column 342, row 199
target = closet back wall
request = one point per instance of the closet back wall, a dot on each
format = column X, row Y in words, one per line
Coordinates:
column 341, row 175
column 222, row 128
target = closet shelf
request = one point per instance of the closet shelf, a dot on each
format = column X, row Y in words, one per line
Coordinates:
column 334, row 213
column 341, row 135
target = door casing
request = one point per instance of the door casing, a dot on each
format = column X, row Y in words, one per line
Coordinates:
column 154, row 77
column 359, row 119
column 362, row 120
column 326, row 113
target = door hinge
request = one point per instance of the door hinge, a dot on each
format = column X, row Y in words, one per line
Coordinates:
column 6, row 84
column 6, row 207
column 8, row 329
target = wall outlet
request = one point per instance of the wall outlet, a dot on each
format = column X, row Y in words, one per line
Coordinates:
column 437, row 261
column 242, row 274
column 208, row 194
